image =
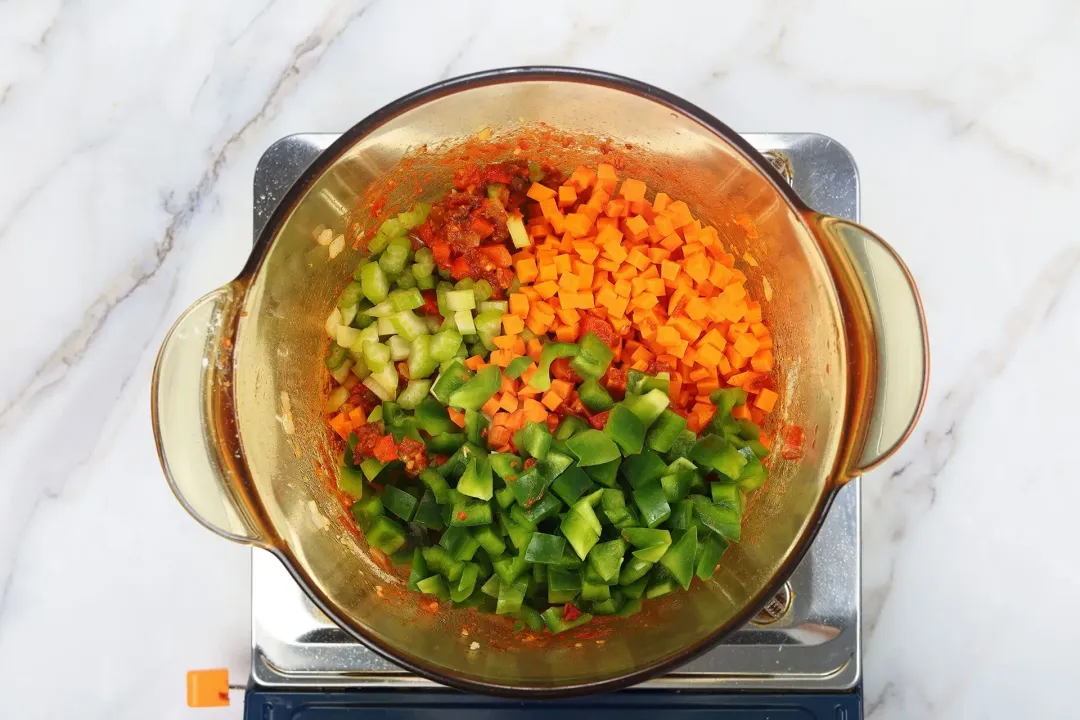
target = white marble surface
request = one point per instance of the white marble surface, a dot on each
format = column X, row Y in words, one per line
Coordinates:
column 128, row 136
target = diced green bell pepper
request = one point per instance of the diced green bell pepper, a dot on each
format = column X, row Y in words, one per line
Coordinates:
column 570, row 425
column 643, row 468
column 450, row 380
column 489, row 540
column 715, row 452
column 633, row 570
column 581, row 527
column 350, row 479
column 606, row 559
column 437, row 484
column 632, row 606
column 399, row 502
column 638, row 383
column 469, row 512
column 593, row 447
column 594, row 590
column 651, row 543
column 527, row 487
column 445, row 443
column 563, row 585
column 725, row 399
column 531, row 617
column 605, row 474
column 635, row 589
column 506, row 466
column 679, row 559
column 510, row 569
column 517, row 367
column 466, row 583
column 434, row 585
column 547, row 506
column 385, row 534
column 594, row 396
column 541, row 379
column 476, row 481
column 419, row 569
column 648, row 407
column 476, row 426
column 432, row 417
column 478, row 390
column 571, row 484
column 710, row 550
column 593, row 358
column 725, row 496
column 725, row 522
column 533, row 439
column 650, row 500
column 366, row 510
column 626, row 429
column 553, row 618
column 544, row 548
column 428, row 513
column 459, row 543
column 682, row 515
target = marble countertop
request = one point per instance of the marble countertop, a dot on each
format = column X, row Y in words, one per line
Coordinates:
column 129, row 132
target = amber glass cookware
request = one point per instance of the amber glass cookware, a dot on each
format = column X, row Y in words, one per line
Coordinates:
column 239, row 384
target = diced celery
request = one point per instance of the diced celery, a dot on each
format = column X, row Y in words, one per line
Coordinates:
column 499, row 306
column 386, row 327
column 413, row 393
column 421, row 360
column 346, row 335
column 360, row 368
column 342, row 372
column 376, row 355
column 488, row 326
column 408, row 325
column 445, row 344
column 333, row 322
column 376, row 286
column 405, row 281
column 383, row 309
column 399, row 348
column 376, row 387
column 350, row 295
column 482, row 290
column 518, row 234
column 406, row 299
column 391, row 228
column 395, row 256
column 387, row 376
column 336, row 399
column 460, row 300
column 349, row 313
column 463, row 320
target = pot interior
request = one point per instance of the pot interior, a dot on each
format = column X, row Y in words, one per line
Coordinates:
column 412, row 155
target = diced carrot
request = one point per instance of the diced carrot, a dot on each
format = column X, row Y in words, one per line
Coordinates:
column 551, row 400
column 617, row 207
column 474, row 363
column 539, row 192
column 501, row 358
column 762, row 361
column 638, row 259
column 566, row 333
column 491, row 406
column 637, row 226
column 632, row 190
column 508, row 385
column 766, row 399
column 606, row 177
column 548, row 271
column 746, row 345
column 513, row 324
column 526, row 270
column 341, row 425
column 567, row 196
column 581, row 178
column 534, row 411
column 578, row 225
column 519, row 305
column 697, row 267
column 534, row 349
column 562, row 388
column 623, row 288
column 456, row 416
column 547, row 289
column 508, row 402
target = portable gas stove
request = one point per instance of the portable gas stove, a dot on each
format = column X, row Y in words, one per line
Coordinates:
column 800, row 657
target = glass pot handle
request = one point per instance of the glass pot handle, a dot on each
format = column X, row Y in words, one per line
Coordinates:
column 900, row 357
column 189, row 384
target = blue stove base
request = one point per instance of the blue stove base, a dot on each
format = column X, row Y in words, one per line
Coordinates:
column 647, row 705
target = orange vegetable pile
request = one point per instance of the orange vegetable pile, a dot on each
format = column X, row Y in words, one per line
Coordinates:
column 661, row 279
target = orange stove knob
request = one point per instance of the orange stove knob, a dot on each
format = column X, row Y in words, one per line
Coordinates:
column 208, row 688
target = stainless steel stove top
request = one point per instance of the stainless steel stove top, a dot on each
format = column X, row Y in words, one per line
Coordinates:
column 809, row 638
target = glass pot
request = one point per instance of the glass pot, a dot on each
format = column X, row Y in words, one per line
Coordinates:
column 239, row 385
